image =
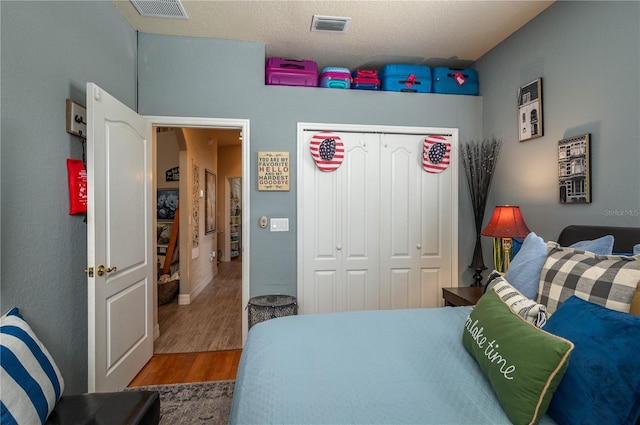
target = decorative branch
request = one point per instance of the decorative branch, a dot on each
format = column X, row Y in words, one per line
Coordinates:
column 479, row 160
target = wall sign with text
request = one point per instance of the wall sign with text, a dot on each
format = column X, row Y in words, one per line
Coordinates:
column 273, row 171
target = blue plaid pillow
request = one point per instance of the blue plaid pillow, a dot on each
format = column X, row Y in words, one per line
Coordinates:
column 31, row 382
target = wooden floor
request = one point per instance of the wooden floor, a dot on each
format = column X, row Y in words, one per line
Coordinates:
column 189, row 367
column 213, row 320
column 201, row 341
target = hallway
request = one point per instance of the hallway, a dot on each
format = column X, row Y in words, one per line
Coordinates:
column 212, row 322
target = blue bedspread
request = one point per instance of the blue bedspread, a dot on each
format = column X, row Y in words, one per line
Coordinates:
column 369, row 367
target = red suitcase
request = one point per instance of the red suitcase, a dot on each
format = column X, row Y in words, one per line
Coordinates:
column 365, row 79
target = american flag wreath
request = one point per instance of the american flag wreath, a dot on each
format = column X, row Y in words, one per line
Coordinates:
column 327, row 150
column 436, row 154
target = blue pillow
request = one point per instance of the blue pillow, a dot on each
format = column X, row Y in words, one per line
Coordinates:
column 636, row 249
column 31, row 381
column 525, row 268
column 524, row 271
column 600, row 246
column 602, row 383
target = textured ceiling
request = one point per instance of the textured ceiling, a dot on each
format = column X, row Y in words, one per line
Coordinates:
column 434, row 33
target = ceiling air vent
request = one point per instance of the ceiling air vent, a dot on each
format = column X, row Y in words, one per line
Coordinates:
column 329, row 24
column 160, row 8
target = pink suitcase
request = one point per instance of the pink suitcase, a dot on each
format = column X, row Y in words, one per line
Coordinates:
column 289, row 72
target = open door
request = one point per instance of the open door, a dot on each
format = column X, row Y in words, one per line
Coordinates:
column 120, row 241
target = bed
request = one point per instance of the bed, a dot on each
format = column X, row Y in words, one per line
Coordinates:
column 418, row 365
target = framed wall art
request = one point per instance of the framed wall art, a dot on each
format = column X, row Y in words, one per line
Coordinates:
column 530, row 110
column 167, row 203
column 209, row 202
column 163, row 234
column 574, row 179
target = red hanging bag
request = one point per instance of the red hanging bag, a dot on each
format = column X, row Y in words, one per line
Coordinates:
column 77, row 175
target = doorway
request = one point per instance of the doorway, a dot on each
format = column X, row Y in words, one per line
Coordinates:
column 189, row 249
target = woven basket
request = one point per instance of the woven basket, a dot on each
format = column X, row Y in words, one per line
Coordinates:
column 267, row 307
column 167, row 291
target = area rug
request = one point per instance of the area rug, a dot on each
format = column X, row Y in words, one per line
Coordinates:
column 195, row 403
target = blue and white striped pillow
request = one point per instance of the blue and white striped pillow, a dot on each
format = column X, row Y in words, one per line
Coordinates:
column 31, row 381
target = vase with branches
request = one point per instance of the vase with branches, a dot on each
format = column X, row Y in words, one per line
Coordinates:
column 479, row 160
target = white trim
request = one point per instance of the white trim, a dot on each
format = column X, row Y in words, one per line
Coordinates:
column 243, row 125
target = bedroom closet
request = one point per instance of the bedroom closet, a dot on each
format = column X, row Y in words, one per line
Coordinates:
column 378, row 232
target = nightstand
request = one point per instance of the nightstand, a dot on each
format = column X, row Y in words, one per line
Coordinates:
column 462, row 295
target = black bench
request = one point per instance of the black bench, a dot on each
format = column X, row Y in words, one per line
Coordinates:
column 118, row 408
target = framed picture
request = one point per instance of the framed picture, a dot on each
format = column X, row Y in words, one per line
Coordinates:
column 530, row 110
column 167, row 203
column 163, row 233
column 574, row 178
column 209, row 202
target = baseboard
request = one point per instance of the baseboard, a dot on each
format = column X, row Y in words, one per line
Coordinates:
column 185, row 299
column 203, row 284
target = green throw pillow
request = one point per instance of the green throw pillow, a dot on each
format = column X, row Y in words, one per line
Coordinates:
column 524, row 364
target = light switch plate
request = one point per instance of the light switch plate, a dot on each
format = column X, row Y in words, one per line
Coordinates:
column 279, row 224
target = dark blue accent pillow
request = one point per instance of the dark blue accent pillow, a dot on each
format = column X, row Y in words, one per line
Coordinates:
column 602, row 383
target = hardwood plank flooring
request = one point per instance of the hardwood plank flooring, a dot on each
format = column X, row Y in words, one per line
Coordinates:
column 201, row 341
column 213, row 320
column 181, row 368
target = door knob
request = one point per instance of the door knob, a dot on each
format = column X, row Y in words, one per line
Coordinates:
column 339, row 247
column 102, row 269
column 419, row 246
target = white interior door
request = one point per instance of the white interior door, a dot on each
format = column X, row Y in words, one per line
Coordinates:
column 120, row 242
column 379, row 232
column 340, row 229
column 416, row 225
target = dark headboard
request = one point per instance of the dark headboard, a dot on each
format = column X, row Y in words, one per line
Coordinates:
column 624, row 237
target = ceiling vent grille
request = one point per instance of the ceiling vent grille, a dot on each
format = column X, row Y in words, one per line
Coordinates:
column 160, row 8
column 329, row 24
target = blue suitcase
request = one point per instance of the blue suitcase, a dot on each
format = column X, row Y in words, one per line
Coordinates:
column 455, row 81
column 335, row 77
column 406, row 78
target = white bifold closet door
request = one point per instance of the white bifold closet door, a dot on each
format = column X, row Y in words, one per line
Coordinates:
column 378, row 232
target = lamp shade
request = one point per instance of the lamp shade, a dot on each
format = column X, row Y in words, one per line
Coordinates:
column 506, row 222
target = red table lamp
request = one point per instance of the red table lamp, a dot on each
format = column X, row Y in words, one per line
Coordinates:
column 505, row 224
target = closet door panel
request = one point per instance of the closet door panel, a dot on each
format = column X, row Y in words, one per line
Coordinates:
column 325, row 291
column 398, row 186
column 361, row 199
column 430, row 210
column 320, row 220
column 430, row 291
column 357, row 291
column 400, row 288
column 400, row 237
column 340, row 228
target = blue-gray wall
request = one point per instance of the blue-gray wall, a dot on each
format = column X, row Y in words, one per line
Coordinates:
column 588, row 55
column 183, row 76
column 49, row 51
